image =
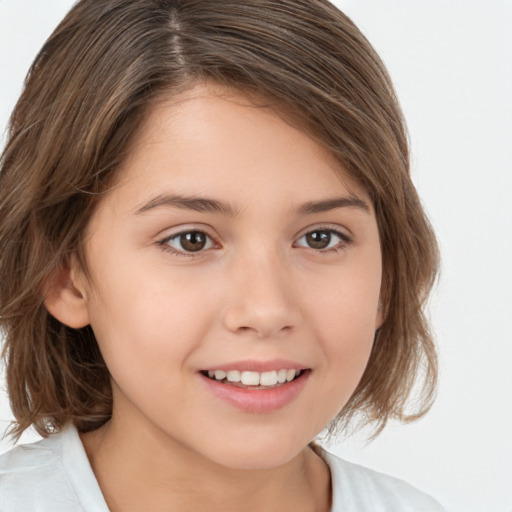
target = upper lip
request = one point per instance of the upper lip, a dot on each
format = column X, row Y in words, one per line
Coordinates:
column 250, row 365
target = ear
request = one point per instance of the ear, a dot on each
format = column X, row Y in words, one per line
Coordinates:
column 65, row 295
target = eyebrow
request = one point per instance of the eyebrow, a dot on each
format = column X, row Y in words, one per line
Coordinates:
column 198, row 204
column 334, row 203
column 207, row 205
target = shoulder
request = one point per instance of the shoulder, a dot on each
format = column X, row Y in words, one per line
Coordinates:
column 33, row 477
column 359, row 489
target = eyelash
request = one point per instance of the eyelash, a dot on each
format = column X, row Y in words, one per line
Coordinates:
column 164, row 244
column 345, row 240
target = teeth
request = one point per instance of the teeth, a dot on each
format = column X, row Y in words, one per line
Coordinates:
column 234, row 376
column 250, row 378
column 290, row 375
column 281, row 376
column 268, row 379
column 254, row 378
column 220, row 375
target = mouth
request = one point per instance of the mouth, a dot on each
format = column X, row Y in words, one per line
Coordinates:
column 256, row 387
column 254, row 380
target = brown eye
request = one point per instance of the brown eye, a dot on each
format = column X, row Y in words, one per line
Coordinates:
column 193, row 241
column 318, row 239
column 188, row 242
column 321, row 239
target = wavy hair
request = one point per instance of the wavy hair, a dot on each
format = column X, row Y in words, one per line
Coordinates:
column 84, row 99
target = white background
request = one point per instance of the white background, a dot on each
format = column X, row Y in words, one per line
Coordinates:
column 452, row 64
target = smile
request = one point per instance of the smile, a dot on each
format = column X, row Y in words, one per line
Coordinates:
column 254, row 391
column 254, row 379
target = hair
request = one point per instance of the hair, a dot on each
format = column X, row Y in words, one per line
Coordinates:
column 85, row 97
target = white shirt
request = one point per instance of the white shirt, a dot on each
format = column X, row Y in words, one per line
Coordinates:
column 54, row 475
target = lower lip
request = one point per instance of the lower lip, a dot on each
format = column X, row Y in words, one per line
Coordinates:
column 258, row 400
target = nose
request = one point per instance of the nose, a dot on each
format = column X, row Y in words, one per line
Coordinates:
column 261, row 300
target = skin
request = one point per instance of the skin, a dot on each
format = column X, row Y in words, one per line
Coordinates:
column 257, row 291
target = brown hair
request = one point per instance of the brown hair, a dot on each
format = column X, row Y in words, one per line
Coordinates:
column 84, row 98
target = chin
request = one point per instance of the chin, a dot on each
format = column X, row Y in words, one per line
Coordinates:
column 258, row 454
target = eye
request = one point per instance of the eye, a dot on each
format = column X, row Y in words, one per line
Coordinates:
column 323, row 239
column 187, row 242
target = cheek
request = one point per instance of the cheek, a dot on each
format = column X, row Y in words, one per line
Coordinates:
column 347, row 338
column 346, row 303
column 346, row 317
column 150, row 321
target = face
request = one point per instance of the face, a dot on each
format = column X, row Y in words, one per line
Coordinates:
column 235, row 273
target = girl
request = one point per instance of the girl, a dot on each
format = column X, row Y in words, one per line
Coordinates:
column 211, row 251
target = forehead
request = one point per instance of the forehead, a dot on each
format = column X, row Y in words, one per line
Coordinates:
column 213, row 135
